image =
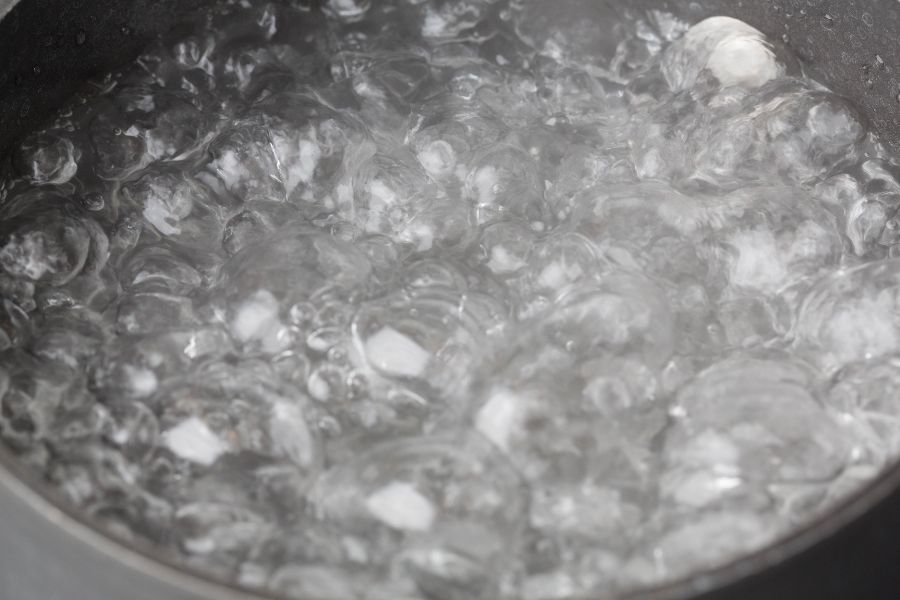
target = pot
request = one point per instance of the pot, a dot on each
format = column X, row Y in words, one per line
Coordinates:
column 48, row 552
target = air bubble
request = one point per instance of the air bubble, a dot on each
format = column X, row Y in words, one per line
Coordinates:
column 440, row 299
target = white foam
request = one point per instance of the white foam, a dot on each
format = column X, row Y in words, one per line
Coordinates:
column 486, row 181
column 26, row 255
column 503, row 262
column 734, row 52
column 142, row 382
column 193, row 440
column 760, row 263
column 434, row 25
column 438, row 158
column 157, row 213
column 257, row 319
column 499, row 418
column 400, row 506
column 290, row 434
column 393, row 353
column 230, row 169
column 861, row 328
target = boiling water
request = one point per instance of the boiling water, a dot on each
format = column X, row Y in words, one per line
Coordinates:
column 452, row 300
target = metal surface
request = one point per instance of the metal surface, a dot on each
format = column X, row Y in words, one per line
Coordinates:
column 46, row 553
column 6, row 6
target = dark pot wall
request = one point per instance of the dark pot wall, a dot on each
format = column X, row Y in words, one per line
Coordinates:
column 47, row 45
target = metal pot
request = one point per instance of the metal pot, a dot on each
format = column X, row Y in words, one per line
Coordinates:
column 49, row 553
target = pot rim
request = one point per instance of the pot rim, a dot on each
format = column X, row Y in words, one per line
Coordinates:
column 146, row 558
column 6, row 6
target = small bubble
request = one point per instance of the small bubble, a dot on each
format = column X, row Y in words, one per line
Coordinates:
column 80, row 38
column 827, row 22
column 302, row 313
column 93, row 201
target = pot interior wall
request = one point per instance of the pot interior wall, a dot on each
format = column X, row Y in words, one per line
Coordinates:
column 47, row 47
column 50, row 47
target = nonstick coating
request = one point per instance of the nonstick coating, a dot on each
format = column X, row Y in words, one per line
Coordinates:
column 47, row 47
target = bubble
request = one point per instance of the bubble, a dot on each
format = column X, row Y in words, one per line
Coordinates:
column 730, row 50
column 451, row 300
column 324, row 264
column 858, row 396
column 387, row 87
column 577, row 31
column 844, row 318
column 547, row 402
column 395, row 197
column 505, row 247
column 179, row 128
column 347, row 10
column 48, row 159
column 464, row 529
column 145, row 312
column 310, row 142
column 781, row 241
column 441, row 21
column 503, row 183
column 44, row 242
column 680, row 552
column 743, row 439
column 265, row 418
column 242, row 164
column 810, row 134
column 119, row 146
column 430, row 336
